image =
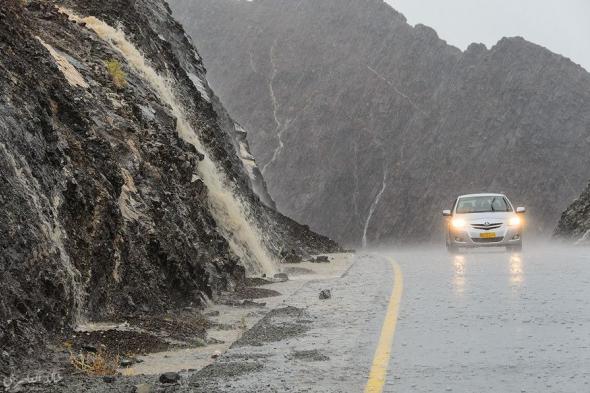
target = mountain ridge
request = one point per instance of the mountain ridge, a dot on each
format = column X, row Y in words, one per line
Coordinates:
column 354, row 82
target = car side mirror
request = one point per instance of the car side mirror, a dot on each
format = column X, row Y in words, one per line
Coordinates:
column 446, row 213
column 520, row 210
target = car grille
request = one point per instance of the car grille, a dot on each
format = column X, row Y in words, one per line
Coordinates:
column 487, row 240
column 487, row 227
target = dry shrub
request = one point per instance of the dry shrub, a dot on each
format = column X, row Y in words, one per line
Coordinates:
column 95, row 363
column 118, row 76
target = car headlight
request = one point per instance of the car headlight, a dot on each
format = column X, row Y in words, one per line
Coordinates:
column 458, row 223
column 514, row 221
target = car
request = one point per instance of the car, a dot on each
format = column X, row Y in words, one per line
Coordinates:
column 484, row 220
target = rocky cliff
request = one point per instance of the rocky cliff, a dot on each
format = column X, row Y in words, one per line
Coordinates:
column 366, row 127
column 574, row 224
column 124, row 184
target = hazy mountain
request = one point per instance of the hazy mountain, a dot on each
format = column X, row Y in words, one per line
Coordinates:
column 367, row 126
column 125, row 187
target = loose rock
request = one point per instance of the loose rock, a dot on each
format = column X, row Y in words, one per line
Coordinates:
column 89, row 348
column 250, row 303
column 325, row 294
column 281, row 277
column 169, row 377
column 127, row 362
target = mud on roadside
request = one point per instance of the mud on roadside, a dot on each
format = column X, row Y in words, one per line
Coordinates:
column 244, row 328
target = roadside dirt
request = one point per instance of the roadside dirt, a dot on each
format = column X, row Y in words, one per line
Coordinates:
column 117, row 342
column 190, row 342
column 254, row 293
column 277, row 325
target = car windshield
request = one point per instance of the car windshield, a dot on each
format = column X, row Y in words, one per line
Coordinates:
column 483, row 204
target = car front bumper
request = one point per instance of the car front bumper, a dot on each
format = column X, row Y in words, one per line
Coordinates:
column 502, row 237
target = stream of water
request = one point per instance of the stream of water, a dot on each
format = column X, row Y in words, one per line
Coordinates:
column 229, row 211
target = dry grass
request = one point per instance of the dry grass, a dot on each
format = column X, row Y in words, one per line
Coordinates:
column 242, row 326
column 118, row 76
column 98, row 364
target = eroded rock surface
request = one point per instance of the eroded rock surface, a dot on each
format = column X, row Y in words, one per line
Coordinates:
column 103, row 211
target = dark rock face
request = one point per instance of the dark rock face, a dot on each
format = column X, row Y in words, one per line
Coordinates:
column 574, row 224
column 101, row 211
column 367, row 127
column 239, row 136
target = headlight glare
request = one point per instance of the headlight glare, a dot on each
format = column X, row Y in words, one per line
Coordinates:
column 458, row 223
column 514, row 221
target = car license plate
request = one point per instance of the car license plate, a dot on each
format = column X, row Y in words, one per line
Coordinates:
column 487, row 235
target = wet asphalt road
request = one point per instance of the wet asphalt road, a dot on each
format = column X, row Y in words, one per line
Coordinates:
column 313, row 345
column 489, row 321
column 483, row 321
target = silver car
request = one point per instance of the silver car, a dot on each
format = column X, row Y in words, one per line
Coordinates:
column 484, row 220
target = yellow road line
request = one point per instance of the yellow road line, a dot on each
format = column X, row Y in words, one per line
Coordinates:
column 383, row 351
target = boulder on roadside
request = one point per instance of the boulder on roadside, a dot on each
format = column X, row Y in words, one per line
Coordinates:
column 281, row 277
column 169, row 377
column 325, row 294
column 128, row 362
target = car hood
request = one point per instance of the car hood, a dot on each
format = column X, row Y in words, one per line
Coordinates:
column 490, row 217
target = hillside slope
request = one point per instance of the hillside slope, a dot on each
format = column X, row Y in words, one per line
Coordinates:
column 367, row 127
column 121, row 188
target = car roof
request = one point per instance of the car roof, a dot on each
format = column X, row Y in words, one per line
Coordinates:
column 483, row 194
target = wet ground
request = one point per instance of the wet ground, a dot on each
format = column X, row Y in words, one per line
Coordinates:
column 482, row 321
column 488, row 321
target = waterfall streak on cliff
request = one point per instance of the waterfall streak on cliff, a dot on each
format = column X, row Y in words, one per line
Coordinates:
column 374, row 206
column 48, row 222
column 228, row 210
column 275, row 108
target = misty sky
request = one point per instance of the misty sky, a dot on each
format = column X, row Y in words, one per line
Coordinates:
column 563, row 26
